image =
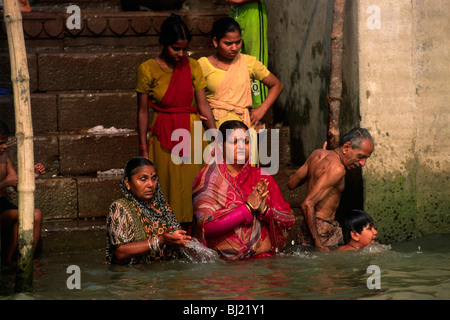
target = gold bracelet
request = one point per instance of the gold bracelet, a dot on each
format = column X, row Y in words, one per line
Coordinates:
column 252, row 209
column 263, row 213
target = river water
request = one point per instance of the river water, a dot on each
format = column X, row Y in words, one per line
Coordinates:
column 417, row 269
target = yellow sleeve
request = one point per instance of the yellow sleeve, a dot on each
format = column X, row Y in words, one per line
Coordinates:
column 256, row 69
column 143, row 78
column 198, row 79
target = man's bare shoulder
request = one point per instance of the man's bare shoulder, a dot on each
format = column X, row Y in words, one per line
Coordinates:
column 4, row 158
column 326, row 161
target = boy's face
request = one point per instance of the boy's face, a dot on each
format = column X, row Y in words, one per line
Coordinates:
column 3, row 146
column 367, row 236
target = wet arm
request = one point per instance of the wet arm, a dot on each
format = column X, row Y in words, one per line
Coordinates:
column 177, row 238
column 131, row 250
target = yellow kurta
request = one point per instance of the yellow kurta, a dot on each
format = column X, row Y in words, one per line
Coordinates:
column 175, row 179
column 229, row 92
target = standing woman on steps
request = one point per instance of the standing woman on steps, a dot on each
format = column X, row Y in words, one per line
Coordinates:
column 173, row 85
column 228, row 75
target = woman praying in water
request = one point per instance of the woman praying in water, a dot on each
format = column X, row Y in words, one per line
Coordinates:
column 238, row 209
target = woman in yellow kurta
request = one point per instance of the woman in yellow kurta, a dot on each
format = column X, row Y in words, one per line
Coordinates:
column 229, row 73
column 174, row 86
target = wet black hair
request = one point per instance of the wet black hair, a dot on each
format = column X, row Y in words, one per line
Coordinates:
column 354, row 220
column 223, row 26
column 134, row 164
column 231, row 125
column 4, row 130
column 173, row 29
column 356, row 136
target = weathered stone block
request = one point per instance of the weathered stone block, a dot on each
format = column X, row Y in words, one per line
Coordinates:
column 88, row 71
column 95, row 195
column 86, row 110
column 56, row 198
column 84, row 154
column 43, row 112
column 5, row 71
column 64, row 236
column 46, row 151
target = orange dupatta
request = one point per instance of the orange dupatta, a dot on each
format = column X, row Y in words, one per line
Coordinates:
column 234, row 92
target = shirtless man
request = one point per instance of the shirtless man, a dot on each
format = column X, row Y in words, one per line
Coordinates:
column 8, row 211
column 325, row 172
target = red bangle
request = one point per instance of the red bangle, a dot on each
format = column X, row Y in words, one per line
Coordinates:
column 142, row 146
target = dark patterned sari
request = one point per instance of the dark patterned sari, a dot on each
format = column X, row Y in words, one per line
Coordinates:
column 132, row 220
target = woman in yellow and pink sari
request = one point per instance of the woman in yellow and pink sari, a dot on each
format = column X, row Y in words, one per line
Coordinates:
column 239, row 210
column 229, row 74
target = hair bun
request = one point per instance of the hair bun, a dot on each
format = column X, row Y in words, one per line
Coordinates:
column 175, row 16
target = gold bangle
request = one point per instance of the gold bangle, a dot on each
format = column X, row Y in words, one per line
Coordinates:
column 263, row 213
column 252, row 209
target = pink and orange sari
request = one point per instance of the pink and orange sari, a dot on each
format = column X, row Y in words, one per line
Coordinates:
column 216, row 193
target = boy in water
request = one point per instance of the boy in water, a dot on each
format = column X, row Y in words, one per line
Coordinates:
column 8, row 211
column 357, row 228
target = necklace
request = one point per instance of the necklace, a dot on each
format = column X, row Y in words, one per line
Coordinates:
column 162, row 64
column 215, row 62
column 340, row 158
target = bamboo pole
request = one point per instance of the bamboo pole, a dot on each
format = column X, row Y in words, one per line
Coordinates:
column 24, row 136
column 335, row 89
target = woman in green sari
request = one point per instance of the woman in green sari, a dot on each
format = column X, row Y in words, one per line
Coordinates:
column 141, row 226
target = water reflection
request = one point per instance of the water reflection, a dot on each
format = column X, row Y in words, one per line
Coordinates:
column 406, row 273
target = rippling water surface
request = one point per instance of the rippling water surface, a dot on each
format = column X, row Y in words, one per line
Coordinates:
column 418, row 269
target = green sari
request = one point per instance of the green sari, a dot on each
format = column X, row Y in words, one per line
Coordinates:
column 252, row 18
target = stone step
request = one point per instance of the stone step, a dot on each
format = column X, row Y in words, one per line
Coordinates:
column 74, row 197
column 72, row 235
column 84, row 154
column 71, row 111
column 87, row 71
column 79, row 197
column 80, row 154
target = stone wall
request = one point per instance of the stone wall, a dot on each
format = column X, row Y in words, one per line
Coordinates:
column 299, row 54
column 404, row 63
column 396, row 66
column 79, row 79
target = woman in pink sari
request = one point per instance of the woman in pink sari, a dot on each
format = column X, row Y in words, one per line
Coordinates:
column 238, row 209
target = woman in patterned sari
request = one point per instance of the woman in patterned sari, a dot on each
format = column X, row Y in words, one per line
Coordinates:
column 238, row 209
column 141, row 226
